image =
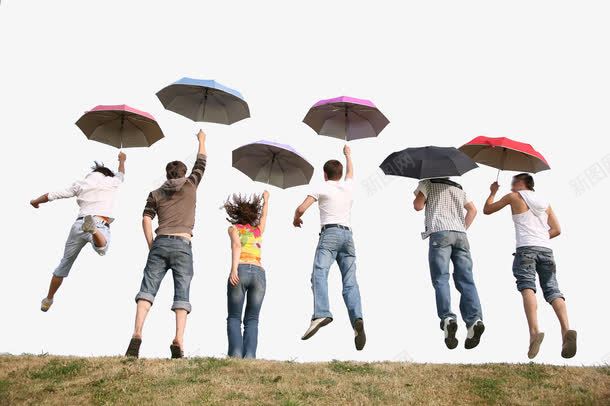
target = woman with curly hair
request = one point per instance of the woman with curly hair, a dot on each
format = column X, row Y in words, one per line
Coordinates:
column 247, row 282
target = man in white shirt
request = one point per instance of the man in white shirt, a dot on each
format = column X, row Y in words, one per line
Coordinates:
column 334, row 199
column 95, row 196
column 535, row 225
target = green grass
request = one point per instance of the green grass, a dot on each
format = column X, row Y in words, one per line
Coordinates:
column 49, row 380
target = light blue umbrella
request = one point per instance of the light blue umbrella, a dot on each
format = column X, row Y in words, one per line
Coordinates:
column 273, row 163
column 204, row 100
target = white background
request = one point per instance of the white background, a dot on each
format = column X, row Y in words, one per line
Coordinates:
column 443, row 72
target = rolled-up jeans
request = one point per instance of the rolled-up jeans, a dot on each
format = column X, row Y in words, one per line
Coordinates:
column 168, row 253
column 335, row 244
column 446, row 247
column 251, row 288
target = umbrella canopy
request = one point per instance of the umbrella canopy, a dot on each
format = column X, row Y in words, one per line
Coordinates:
column 346, row 118
column 276, row 164
column 505, row 154
column 120, row 126
column 427, row 162
column 204, row 100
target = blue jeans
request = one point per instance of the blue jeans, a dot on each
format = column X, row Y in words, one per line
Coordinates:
column 252, row 285
column 335, row 244
column 452, row 246
column 166, row 254
column 531, row 260
column 77, row 239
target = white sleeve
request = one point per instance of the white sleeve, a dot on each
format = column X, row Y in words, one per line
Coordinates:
column 119, row 177
column 421, row 187
column 315, row 192
column 65, row 193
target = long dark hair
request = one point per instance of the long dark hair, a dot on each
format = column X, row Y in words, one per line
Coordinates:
column 99, row 167
column 244, row 209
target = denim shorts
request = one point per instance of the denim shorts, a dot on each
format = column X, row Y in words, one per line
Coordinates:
column 77, row 239
column 530, row 261
column 165, row 254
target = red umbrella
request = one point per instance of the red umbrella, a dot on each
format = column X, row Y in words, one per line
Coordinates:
column 505, row 154
column 120, row 126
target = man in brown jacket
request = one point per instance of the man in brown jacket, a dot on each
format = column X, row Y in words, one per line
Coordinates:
column 174, row 204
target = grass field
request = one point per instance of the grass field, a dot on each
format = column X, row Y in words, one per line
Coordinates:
column 69, row 381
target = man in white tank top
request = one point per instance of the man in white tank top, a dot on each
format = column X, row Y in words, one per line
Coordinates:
column 535, row 226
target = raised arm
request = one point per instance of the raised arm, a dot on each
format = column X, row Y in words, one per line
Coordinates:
column 553, row 222
column 349, row 165
column 70, row 191
column 490, row 205
column 471, row 213
column 200, row 163
column 297, row 221
column 235, row 254
column 122, row 159
column 263, row 221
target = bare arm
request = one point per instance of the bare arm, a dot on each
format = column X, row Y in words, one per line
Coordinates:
column 420, row 201
column 201, row 137
column 471, row 213
column 147, row 228
column 297, row 222
column 263, row 221
column 122, row 159
column 553, row 222
column 235, row 254
column 39, row 200
column 491, row 206
column 349, row 165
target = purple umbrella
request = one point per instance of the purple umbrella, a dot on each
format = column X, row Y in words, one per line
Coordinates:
column 346, row 118
column 276, row 164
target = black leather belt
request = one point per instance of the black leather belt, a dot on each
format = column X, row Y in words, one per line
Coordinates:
column 325, row 226
column 103, row 222
column 173, row 237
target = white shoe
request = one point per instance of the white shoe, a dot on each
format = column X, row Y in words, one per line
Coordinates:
column 45, row 305
column 450, row 328
column 315, row 325
column 89, row 225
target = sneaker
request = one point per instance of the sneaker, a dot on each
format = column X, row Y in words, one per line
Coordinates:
column 535, row 345
column 133, row 350
column 89, row 225
column 450, row 327
column 568, row 350
column 360, row 339
column 474, row 334
column 315, row 325
column 46, row 303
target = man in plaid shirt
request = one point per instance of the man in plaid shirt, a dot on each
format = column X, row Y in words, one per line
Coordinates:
column 449, row 213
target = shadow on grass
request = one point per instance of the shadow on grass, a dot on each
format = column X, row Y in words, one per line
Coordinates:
column 488, row 389
column 343, row 367
column 58, row 370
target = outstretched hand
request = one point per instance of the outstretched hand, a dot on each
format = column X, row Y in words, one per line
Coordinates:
column 347, row 151
column 34, row 204
column 297, row 222
column 201, row 136
column 494, row 187
column 122, row 156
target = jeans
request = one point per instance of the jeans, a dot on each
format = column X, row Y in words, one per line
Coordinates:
column 335, row 244
column 165, row 254
column 446, row 246
column 252, row 285
column 77, row 239
column 531, row 260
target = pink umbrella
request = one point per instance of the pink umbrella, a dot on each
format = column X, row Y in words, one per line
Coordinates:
column 346, row 118
column 120, row 126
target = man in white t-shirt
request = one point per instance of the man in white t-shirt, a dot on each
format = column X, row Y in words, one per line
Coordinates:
column 334, row 199
column 535, row 226
column 95, row 197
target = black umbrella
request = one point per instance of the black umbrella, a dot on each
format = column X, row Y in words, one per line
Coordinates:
column 427, row 163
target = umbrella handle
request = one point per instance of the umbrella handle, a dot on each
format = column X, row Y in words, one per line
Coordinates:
column 498, row 175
